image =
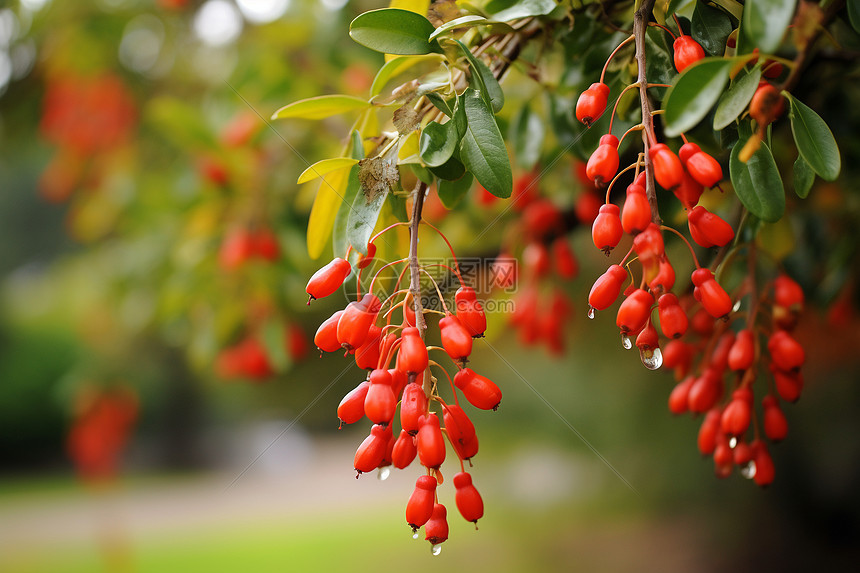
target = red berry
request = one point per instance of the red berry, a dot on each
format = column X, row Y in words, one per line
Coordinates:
column 355, row 322
column 266, row 245
column 702, row 323
column 456, row 340
column 419, row 508
column 767, row 105
column 719, row 359
column 785, row 352
column 764, row 470
column 687, row 52
column 606, row 231
column 592, row 103
column 469, row 501
column 525, row 190
column 366, row 260
column 664, row 280
column 678, row 355
column 430, row 443
column 367, row 355
column 667, row 167
column 587, row 205
column 238, row 247
column 708, row 431
column 705, row 391
column 738, row 413
column 541, row 218
column 436, row 529
column 536, row 259
column 404, row 450
column 351, row 408
column 708, row 229
column 603, row 163
column 742, row 354
column 636, row 215
column 713, row 297
column 413, row 405
column 326, row 336
column 679, row 396
column 607, row 287
column 470, row 311
column 702, row 167
column 460, row 430
column 412, row 357
column 480, row 391
column 689, row 191
column 673, row 319
column 789, row 385
column 372, row 450
column 775, row 424
column 328, row 279
column 380, row 402
column 634, row 311
column 787, row 293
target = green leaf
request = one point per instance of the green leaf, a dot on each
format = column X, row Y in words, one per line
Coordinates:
column 695, row 92
column 854, row 14
column 676, row 6
column 804, row 177
column 397, row 66
column 321, row 107
column 452, row 192
column 452, row 170
column 440, row 103
column 437, row 143
column 394, row 31
column 363, row 215
column 526, row 134
column 507, row 10
column 757, row 183
column 765, row 22
column 659, row 65
column 324, row 167
column 462, row 22
column 814, row 140
column 711, row 28
column 486, row 80
column 736, row 98
column 339, row 240
column 482, row 148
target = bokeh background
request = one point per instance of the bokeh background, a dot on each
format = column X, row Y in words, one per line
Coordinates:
column 132, row 156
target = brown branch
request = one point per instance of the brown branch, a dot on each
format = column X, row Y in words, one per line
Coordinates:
column 640, row 26
column 414, row 270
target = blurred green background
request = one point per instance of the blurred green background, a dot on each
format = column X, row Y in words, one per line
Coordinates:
column 110, row 275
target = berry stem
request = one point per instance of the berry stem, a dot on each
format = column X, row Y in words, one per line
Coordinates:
column 615, row 106
column 656, row 25
column 612, row 55
column 456, row 262
column 438, row 292
column 689, row 246
column 614, row 179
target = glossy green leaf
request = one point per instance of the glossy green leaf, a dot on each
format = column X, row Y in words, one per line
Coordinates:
column 440, row 103
column 853, row 7
column 765, row 22
column 397, row 66
column 757, row 183
column 737, row 97
column 352, row 188
column 437, row 143
column 814, row 140
column 676, row 6
column 362, row 218
column 452, row 169
column 452, row 192
column 659, row 65
column 804, row 177
column 695, row 92
column 482, row 148
column 526, row 134
column 507, row 10
column 487, row 81
column 321, row 107
column 711, row 28
column 324, row 167
column 462, row 22
column 393, row 31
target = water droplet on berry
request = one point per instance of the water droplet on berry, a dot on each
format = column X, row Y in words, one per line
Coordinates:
column 415, row 535
column 748, row 470
column 383, row 473
column 591, row 312
column 652, row 359
column 737, row 306
column 626, row 342
column 436, row 549
column 733, row 441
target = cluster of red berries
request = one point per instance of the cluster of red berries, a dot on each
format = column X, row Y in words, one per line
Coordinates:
column 689, row 322
column 364, row 329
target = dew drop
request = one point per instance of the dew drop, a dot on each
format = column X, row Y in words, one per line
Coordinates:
column 733, row 441
column 383, row 473
column 651, row 359
column 436, row 549
column 626, row 342
column 591, row 312
column 415, row 535
column 748, row 470
column 737, row 306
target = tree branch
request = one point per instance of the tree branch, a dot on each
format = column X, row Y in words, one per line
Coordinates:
column 640, row 26
column 414, row 271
